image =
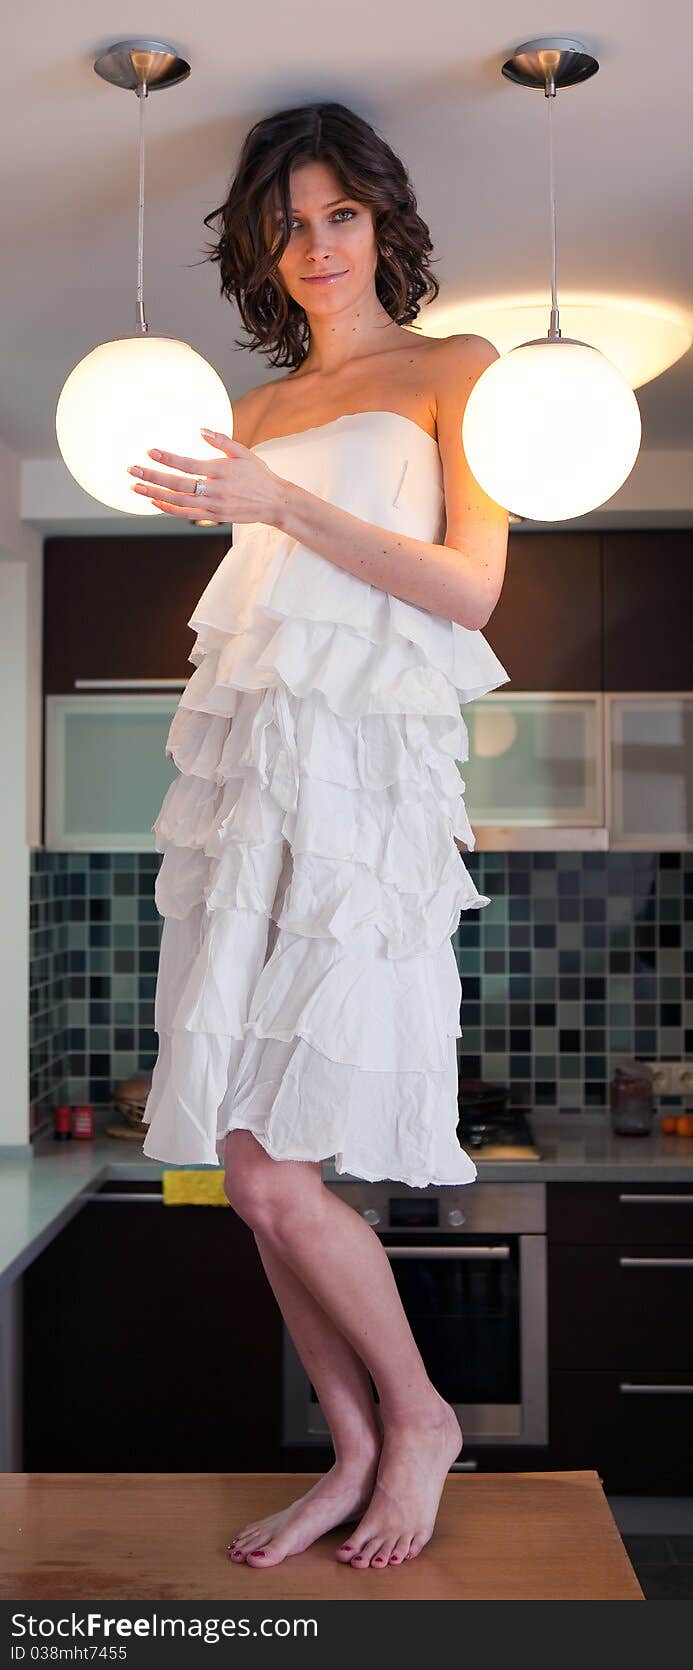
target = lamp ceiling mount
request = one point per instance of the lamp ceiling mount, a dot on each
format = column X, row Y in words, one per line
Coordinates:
column 550, row 60
column 142, row 63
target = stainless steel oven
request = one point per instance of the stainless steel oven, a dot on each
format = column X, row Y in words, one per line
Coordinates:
column 470, row 1267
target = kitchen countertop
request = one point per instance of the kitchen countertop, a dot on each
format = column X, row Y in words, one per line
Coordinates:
column 42, row 1187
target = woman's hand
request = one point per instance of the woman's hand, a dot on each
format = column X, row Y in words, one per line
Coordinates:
column 238, row 488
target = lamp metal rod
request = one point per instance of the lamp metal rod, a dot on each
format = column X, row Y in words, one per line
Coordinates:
column 141, row 326
column 554, row 330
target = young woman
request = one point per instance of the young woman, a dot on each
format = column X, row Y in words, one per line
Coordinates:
column 308, row 994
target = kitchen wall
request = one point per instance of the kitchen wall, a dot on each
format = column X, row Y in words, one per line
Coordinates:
column 579, row 960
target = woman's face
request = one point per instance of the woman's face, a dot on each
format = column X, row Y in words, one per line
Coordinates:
column 331, row 234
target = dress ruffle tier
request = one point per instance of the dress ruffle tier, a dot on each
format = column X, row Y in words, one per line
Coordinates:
column 310, row 883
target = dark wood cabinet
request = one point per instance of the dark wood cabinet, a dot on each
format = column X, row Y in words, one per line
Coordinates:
column 596, row 611
column 611, row 1306
column 638, row 1440
column 578, row 611
column 152, row 1342
column 648, row 602
column 596, row 1214
column 547, row 626
column 620, row 1301
column 118, row 607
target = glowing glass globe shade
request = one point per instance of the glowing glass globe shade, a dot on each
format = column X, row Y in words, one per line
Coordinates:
column 127, row 396
column 551, row 430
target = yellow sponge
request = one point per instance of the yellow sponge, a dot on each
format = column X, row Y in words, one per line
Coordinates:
column 193, row 1188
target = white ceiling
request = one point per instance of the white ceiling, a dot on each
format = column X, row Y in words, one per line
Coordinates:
column 426, row 73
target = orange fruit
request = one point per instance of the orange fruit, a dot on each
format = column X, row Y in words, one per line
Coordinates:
column 684, row 1125
column 668, row 1123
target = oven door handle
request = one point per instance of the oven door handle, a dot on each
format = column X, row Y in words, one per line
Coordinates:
column 447, row 1252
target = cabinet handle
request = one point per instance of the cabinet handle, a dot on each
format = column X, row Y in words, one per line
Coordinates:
column 447, row 1252
column 656, row 1200
column 146, row 1197
column 129, row 683
column 463, row 1466
column 652, row 1263
column 632, row 1386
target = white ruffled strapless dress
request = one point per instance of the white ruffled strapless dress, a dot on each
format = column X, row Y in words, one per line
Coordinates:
column 308, row 988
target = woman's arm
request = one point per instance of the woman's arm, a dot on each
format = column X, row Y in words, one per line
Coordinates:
column 460, row 580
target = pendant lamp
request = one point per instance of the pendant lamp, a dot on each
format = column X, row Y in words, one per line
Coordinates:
column 552, row 428
column 138, row 391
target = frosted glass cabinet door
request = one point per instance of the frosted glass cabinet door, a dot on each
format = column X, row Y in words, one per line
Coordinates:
column 106, row 770
column 535, row 761
column 650, row 770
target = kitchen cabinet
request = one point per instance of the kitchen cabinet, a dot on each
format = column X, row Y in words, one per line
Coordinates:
column 648, row 603
column 536, row 769
column 106, row 770
column 612, row 771
column 649, row 778
column 152, row 1342
column 620, row 1290
column 582, row 611
column 596, row 611
column 602, row 612
column 117, row 608
column 547, row 627
column 639, row 1440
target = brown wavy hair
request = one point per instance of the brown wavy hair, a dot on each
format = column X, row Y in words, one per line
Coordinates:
column 368, row 170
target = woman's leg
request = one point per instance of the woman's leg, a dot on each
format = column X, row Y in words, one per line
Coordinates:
column 344, row 1391
column 340, row 1260
column 337, row 1372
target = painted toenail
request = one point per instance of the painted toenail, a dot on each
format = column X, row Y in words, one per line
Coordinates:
column 260, row 1553
column 394, row 1558
column 378, row 1562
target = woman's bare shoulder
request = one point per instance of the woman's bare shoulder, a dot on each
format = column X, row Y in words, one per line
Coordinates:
column 461, row 349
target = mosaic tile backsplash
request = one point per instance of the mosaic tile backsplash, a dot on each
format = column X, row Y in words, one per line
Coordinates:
column 579, row 960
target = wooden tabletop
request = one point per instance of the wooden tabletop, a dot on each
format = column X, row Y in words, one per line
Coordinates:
column 162, row 1536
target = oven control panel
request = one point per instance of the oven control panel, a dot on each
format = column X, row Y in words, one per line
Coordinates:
column 503, row 1208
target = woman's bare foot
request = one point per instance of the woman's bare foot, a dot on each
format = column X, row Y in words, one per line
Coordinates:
column 343, row 1493
column 401, row 1514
